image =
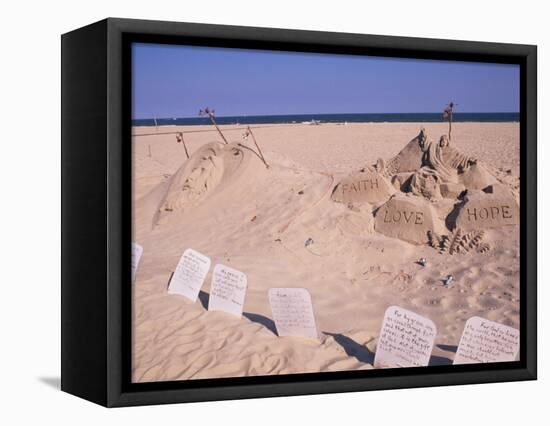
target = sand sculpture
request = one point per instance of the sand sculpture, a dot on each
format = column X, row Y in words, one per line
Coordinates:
column 192, row 182
column 422, row 173
column 425, row 194
column 423, row 166
column 213, row 167
column 458, row 241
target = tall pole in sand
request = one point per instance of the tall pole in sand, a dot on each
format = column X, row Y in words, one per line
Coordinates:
column 210, row 113
column 450, row 124
column 448, row 114
column 259, row 154
column 249, row 130
column 179, row 138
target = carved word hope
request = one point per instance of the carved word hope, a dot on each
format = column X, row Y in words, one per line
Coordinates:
column 484, row 213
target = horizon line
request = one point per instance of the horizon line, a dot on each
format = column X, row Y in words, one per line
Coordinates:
column 325, row 113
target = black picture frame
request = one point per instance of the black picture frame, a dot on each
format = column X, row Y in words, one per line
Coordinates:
column 96, row 208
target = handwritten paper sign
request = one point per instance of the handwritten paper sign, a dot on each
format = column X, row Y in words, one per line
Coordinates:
column 189, row 274
column 227, row 291
column 487, row 341
column 137, row 251
column 406, row 339
column 293, row 312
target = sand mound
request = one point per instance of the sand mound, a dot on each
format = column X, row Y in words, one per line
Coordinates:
column 214, row 167
column 409, row 158
column 357, row 220
column 477, row 177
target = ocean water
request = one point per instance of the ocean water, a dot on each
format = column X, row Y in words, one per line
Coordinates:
column 485, row 117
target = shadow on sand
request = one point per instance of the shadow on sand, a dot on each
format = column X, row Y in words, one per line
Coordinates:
column 363, row 354
column 448, row 348
column 263, row 320
column 439, row 360
column 203, row 298
column 352, row 348
column 257, row 318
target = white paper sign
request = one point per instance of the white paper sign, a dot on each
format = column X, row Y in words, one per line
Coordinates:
column 293, row 312
column 137, row 251
column 190, row 274
column 406, row 339
column 227, row 291
column 487, row 341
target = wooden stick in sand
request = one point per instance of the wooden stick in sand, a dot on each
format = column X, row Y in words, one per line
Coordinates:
column 249, row 130
column 179, row 138
column 259, row 153
column 448, row 114
column 210, row 113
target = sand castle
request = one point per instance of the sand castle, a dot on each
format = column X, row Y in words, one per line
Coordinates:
column 436, row 189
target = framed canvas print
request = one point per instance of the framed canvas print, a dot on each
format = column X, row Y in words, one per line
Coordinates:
column 253, row 212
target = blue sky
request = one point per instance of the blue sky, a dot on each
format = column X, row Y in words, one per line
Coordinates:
column 176, row 81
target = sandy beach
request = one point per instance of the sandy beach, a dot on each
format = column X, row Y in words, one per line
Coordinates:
column 256, row 220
